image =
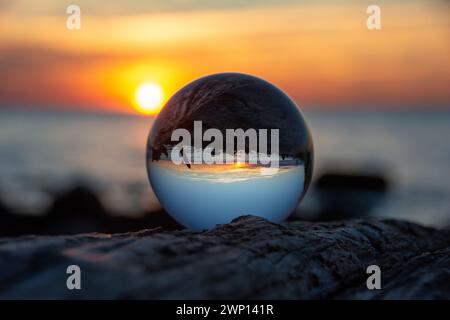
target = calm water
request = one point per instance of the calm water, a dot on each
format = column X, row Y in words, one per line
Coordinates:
column 44, row 153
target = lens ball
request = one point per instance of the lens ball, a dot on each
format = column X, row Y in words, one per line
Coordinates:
column 228, row 145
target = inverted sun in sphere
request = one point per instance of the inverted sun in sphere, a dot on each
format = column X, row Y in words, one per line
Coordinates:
column 149, row 98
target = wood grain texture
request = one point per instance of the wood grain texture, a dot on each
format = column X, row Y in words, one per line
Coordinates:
column 248, row 258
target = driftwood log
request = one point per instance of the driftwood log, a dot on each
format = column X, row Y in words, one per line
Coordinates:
column 248, row 258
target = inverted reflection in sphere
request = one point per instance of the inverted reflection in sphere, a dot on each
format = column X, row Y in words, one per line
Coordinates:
column 206, row 182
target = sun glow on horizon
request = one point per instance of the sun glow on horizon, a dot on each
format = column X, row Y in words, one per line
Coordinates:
column 239, row 164
column 149, row 98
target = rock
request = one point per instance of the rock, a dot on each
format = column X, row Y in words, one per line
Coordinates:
column 345, row 195
column 248, row 258
column 79, row 201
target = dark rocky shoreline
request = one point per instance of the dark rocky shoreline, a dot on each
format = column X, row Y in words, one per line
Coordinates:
column 249, row 258
column 79, row 209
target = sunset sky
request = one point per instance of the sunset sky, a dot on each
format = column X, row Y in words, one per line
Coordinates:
column 319, row 52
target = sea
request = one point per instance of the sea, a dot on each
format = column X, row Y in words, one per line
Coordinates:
column 44, row 154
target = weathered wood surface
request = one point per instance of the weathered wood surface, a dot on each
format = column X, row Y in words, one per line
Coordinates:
column 248, row 258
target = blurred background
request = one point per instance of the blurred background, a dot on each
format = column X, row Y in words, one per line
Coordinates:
column 76, row 106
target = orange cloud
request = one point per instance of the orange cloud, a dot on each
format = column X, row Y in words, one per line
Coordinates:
column 321, row 54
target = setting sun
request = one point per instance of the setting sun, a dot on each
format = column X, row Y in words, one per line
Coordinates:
column 239, row 164
column 149, row 98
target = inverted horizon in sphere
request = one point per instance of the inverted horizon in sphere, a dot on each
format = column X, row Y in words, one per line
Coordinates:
column 199, row 196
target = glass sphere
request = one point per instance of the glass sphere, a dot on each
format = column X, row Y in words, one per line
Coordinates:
column 228, row 145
